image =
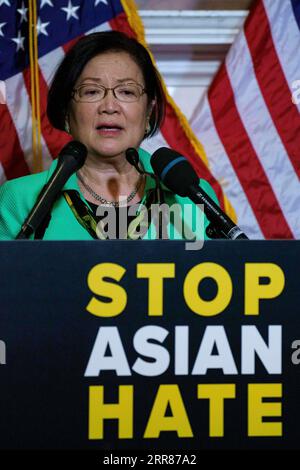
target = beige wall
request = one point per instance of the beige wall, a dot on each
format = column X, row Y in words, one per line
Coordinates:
column 189, row 50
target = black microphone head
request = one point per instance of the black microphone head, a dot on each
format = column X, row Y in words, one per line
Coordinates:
column 174, row 170
column 73, row 154
column 132, row 156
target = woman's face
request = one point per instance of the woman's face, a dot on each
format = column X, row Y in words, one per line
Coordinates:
column 110, row 126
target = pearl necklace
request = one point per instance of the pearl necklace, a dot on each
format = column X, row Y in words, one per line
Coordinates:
column 104, row 201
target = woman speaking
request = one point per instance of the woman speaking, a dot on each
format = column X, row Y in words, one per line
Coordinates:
column 107, row 95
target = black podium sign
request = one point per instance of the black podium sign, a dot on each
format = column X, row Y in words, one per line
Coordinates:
column 144, row 345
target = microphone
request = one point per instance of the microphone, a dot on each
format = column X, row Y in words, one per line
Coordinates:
column 132, row 156
column 179, row 176
column 70, row 159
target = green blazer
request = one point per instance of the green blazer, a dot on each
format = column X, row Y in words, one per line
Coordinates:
column 17, row 197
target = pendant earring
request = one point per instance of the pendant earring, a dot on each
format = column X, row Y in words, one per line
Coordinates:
column 148, row 128
column 67, row 126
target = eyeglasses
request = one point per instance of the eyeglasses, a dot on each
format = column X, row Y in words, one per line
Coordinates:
column 91, row 93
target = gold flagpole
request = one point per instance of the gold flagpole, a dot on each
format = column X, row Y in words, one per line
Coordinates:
column 35, row 89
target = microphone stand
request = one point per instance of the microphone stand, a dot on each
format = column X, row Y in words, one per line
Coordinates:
column 133, row 158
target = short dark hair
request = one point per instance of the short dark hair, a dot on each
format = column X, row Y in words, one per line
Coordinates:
column 60, row 92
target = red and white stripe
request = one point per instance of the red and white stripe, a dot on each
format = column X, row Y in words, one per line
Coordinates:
column 285, row 33
column 12, row 156
column 250, row 128
column 222, row 169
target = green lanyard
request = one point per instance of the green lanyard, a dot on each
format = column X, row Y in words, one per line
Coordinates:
column 86, row 218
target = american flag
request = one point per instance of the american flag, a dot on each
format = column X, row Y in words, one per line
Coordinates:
column 249, row 124
column 58, row 25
